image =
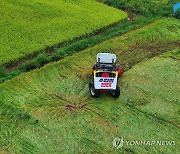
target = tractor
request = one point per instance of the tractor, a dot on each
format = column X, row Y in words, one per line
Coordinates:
column 105, row 75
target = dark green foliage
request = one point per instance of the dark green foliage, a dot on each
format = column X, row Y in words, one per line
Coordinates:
column 41, row 60
column 27, row 66
column 144, row 7
column 38, row 62
column 3, row 71
column 177, row 14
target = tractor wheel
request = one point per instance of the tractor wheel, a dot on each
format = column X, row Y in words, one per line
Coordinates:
column 94, row 92
column 115, row 93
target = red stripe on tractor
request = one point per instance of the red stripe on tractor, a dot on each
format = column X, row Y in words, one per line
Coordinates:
column 105, row 75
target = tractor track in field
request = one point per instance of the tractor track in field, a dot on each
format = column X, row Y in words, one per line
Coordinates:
column 72, row 106
column 152, row 51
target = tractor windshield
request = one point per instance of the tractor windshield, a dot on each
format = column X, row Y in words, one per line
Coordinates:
column 106, row 58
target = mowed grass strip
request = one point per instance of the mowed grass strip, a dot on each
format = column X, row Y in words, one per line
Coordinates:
column 59, row 115
column 28, row 26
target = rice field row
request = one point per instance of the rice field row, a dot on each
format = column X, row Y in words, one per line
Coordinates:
column 27, row 26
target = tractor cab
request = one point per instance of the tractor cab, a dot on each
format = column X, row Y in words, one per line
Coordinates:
column 105, row 62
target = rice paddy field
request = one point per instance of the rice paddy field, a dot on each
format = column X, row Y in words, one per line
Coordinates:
column 49, row 110
column 28, row 26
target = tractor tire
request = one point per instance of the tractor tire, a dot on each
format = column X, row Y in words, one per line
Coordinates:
column 94, row 92
column 115, row 93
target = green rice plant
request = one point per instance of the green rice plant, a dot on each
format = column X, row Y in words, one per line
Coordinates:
column 152, row 87
column 29, row 65
column 28, row 26
column 49, row 110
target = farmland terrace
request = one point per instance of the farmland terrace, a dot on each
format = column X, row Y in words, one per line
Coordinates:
column 29, row 26
column 49, row 110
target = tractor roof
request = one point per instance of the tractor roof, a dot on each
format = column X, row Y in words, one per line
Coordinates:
column 106, row 58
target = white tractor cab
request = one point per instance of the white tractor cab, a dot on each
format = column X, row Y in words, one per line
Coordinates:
column 105, row 74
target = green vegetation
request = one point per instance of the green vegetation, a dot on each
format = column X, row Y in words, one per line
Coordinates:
column 3, row 71
column 59, row 53
column 177, row 14
column 174, row 54
column 144, row 7
column 49, row 110
column 152, row 87
column 27, row 26
column 146, row 42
